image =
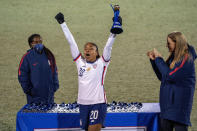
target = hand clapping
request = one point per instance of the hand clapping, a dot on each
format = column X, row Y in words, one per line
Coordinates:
column 153, row 54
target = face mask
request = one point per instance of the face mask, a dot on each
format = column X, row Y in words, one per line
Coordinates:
column 39, row 47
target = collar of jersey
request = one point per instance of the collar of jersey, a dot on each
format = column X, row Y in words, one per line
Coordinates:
column 92, row 62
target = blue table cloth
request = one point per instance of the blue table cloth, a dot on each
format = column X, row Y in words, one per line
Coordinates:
column 144, row 120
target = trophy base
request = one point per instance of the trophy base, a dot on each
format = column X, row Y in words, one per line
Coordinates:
column 116, row 30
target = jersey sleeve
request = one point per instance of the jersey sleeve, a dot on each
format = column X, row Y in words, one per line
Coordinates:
column 73, row 45
column 108, row 48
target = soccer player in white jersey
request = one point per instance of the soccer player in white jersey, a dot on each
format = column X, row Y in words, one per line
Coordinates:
column 91, row 74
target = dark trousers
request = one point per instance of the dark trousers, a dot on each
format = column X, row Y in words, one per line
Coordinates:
column 168, row 125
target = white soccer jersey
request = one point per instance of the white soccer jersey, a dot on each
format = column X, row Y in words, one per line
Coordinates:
column 91, row 80
column 90, row 75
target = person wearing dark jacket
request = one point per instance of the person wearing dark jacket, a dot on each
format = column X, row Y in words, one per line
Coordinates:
column 37, row 72
column 177, row 76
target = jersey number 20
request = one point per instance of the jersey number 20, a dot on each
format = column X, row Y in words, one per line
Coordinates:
column 94, row 114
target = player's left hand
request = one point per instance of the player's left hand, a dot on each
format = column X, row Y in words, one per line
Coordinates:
column 60, row 18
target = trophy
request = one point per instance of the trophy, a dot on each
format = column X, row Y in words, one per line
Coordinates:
column 117, row 21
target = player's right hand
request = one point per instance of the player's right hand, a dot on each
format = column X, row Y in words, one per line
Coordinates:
column 60, row 18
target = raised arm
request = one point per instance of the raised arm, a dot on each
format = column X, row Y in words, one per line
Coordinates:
column 73, row 45
column 108, row 47
column 116, row 29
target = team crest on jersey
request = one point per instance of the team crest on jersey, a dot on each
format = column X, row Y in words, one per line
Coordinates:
column 94, row 66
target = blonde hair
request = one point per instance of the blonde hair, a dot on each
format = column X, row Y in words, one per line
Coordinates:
column 181, row 47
